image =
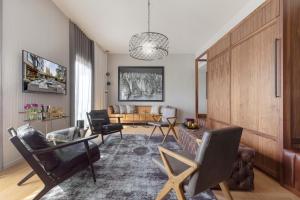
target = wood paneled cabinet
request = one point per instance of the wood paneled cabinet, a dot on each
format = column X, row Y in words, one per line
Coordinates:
column 218, row 72
column 253, row 81
column 254, row 102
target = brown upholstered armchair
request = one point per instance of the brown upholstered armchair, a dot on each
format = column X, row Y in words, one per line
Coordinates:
column 53, row 164
column 211, row 166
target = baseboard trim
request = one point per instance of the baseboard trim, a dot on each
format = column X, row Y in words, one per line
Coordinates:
column 12, row 163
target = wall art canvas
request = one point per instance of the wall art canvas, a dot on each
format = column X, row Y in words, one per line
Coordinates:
column 141, row 83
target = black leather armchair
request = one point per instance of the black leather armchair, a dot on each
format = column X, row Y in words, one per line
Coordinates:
column 100, row 123
column 53, row 164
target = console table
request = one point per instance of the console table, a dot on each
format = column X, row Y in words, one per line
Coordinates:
column 242, row 177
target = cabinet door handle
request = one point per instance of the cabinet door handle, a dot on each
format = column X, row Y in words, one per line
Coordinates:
column 277, row 68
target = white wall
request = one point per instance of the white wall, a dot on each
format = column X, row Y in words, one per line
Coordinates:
column 1, row 116
column 202, row 90
column 179, row 81
column 39, row 27
column 100, row 97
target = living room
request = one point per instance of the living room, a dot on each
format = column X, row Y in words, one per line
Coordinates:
column 148, row 99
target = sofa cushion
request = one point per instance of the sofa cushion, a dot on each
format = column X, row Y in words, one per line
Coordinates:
column 75, row 156
column 123, row 109
column 116, row 109
column 130, row 109
column 155, row 110
column 36, row 140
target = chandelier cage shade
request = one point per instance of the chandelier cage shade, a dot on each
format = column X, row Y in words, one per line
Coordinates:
column 148, row 45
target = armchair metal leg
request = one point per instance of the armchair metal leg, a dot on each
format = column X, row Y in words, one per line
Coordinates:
column 162, row 132
column 28, row 176
column 87, row 148
column 152, row 132
column 225, row 190
column 102, row 139
column 42, row 193
column 121, row 134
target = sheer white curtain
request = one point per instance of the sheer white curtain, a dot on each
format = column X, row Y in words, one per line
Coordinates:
column 83, row 88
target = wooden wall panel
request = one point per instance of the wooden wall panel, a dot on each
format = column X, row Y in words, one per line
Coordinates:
column 262, row 16
column 218, row 71
column 291, row 57
column 222, row 45
column 253, row 101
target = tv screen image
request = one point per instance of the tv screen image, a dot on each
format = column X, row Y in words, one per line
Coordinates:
column 41, row 75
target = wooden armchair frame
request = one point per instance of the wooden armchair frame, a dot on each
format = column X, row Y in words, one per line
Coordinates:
column 171, row 125
column 175, row 182
column 48, row 180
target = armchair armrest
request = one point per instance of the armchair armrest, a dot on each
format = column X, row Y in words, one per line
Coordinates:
column 172, row 120
column 50, row 149
column 178, row 157
column 156, row 118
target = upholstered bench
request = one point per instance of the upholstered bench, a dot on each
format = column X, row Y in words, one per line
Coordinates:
column 242, row 177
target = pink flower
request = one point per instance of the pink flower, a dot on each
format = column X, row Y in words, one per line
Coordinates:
column 27, row 106
column 35, row 105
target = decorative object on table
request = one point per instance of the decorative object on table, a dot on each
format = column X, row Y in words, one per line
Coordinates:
column 32, row 111
column 167, row 119
column 55, row 112
column 191, row 123
column 53, row 164
column 125, row 171
column 148, row 45
column 141, row 83
column 80, row 123
column 100, row 124
column 242, row 177
column 202, row 171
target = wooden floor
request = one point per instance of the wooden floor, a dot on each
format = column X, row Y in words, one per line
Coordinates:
column 265, row 187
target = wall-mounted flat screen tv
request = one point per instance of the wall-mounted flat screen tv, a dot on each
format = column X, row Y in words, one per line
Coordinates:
column 42, row 75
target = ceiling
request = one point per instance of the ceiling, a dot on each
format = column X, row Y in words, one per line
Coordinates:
column 189, row 24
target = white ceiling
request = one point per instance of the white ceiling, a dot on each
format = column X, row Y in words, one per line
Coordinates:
column 189, row 24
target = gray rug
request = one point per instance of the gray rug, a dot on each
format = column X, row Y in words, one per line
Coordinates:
column 125, row 171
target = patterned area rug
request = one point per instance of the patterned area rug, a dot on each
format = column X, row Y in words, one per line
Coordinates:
column 125, row 171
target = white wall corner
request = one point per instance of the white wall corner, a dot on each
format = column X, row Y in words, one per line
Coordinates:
column 244, row 12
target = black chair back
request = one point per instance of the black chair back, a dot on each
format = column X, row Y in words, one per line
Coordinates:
column 25, row 151
column 98, row 118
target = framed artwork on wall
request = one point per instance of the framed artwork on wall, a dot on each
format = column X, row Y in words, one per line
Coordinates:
column 141, row 83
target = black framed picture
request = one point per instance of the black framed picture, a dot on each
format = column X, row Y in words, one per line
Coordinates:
column 141, row 83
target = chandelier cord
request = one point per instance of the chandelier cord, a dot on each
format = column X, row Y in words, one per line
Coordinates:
column 148, row 15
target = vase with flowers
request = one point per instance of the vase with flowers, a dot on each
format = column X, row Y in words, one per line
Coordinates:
column 31, row 111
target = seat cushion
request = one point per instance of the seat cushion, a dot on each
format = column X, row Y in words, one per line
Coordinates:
column 74, row 156
column 176, row 165
column 159, row 124
column 35, row 140
column 112, row 127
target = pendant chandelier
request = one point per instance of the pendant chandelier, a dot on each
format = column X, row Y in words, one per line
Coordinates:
column 148, row 45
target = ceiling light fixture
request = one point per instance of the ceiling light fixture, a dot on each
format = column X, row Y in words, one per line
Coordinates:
column 148, row 45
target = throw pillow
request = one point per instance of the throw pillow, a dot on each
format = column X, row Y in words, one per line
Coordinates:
column 116, row 109
column 168, row 112
column 123, row 109
column 36, row 140
column 130, row 109
column 155, row 110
